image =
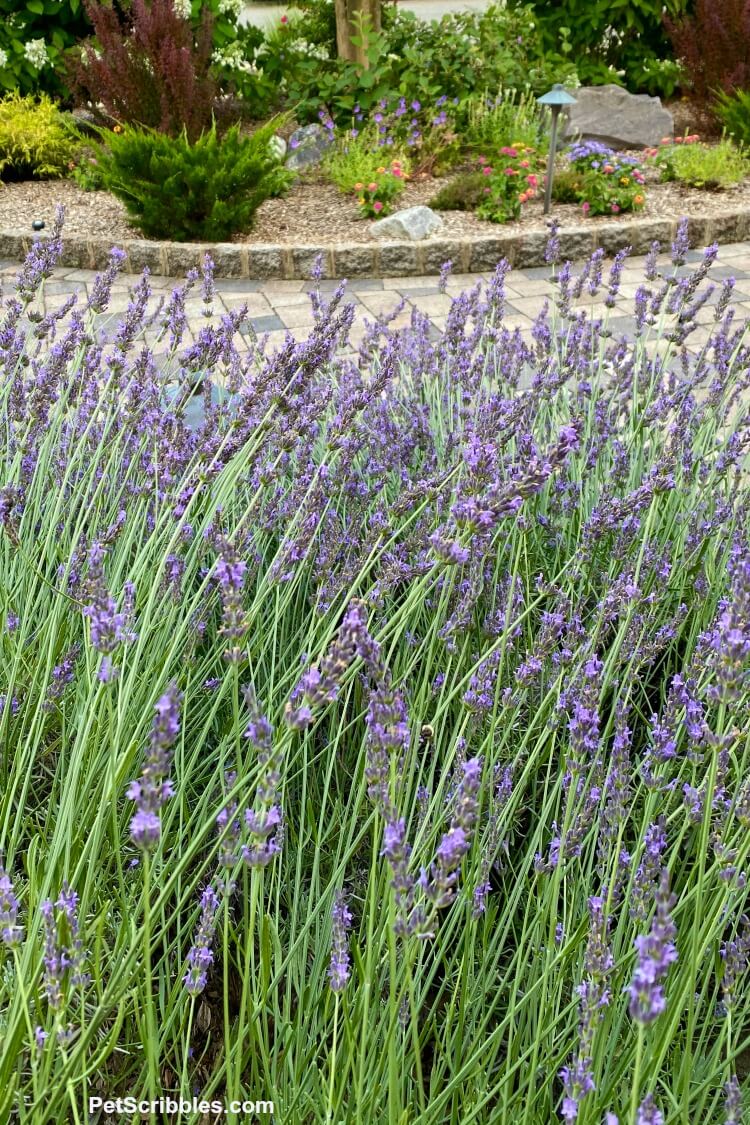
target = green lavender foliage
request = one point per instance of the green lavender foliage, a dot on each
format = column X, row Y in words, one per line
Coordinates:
column 206, row 190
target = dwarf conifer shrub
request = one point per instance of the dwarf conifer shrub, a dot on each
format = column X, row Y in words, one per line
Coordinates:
column 207, row 189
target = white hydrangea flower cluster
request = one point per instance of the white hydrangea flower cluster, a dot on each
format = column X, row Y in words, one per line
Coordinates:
column 312, row 50
column 233, row 58
column 183, row 8
column 35, row 50
column 231, row 8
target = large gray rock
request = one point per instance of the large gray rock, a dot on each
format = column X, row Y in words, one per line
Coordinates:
column 412, row 223
column 307, row 146
column 613, row 116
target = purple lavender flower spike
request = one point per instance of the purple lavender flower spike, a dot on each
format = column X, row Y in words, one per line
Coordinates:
column 339, row 969
column 64, row 954
column 733, row 1102
column 649, row 1113
column 681, row 244
column 264, row 821
column 154, row 786
column 230, row 574
column 200, row 958
column 11, row 933
column 577, row 1082
column 656, row 952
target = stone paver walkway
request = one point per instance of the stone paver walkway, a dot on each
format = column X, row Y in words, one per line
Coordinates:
column 274, row 307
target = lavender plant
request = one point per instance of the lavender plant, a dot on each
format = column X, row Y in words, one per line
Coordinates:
column 473, row 612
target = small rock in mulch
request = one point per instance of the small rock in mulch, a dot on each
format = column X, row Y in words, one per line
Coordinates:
column 413, row 223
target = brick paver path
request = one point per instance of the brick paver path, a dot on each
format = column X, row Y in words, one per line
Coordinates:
column 274, row 307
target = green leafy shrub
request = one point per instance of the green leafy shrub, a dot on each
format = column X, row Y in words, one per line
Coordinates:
column 207, row 189
column 507, row 119
column 733, row 110
column 34, row 36
column 460, row 54
column 628, row 35
column 356, row 159
column 463, row 193
column 712, row 167
column 34, row 138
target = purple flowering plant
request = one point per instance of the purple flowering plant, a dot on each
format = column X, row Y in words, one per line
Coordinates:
column 492, row 594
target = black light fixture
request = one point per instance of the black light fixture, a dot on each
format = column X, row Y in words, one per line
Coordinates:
column 555, row 98
column 38, row 224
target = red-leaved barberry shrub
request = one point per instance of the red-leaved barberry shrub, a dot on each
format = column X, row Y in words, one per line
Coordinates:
column 713, row 45
column 145, row 67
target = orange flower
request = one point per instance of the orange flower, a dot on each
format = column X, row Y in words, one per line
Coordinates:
column 359, row 187
column 638, row 200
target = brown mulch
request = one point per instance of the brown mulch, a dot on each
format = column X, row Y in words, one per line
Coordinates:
column 314, row 212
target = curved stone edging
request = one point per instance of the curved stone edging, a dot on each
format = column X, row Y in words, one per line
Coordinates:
column 266, row 262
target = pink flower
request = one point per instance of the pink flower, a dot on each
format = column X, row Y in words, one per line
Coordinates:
column 586, row 207
column 372, row 187
column 285, row 19
column 615, row 207
column 532, row 181
column 377, row 205
column 487, row 170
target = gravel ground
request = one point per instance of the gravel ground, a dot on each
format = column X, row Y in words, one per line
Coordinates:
column 315, row 212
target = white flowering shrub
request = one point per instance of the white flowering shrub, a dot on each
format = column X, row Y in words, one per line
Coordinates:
column 34, row 35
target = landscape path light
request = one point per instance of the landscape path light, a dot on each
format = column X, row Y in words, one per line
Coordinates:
column 555, row 98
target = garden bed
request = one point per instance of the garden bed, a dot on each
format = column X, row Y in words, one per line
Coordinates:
column 314, row 217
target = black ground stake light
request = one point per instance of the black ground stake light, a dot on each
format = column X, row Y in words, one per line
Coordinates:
column 555, row 98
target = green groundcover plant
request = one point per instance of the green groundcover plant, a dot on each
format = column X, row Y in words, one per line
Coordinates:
column 710, row 167
column 205, row 190
column 374, row 733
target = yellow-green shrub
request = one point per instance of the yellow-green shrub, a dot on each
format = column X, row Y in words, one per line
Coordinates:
column 35, row 140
